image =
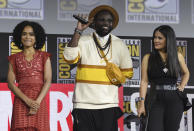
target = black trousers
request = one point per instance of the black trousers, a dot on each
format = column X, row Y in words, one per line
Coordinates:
column 166, row 111
column 96, row 119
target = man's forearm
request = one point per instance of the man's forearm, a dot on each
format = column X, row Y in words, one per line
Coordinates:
column 75, row 39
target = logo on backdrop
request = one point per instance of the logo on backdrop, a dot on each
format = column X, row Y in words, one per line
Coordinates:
column 14, row 49
column 66, row 8
column 134, row 46
column 65, row 72
column 21, row 9
column 131, row 120
column 152, row 11
column 182, row 48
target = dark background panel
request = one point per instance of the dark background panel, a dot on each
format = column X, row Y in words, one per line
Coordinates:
column 190, row 60
column 52, row 48
column 145, row 43
column 4, row 52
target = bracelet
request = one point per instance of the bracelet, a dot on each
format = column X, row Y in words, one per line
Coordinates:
column 140, row 99
column 78, row 31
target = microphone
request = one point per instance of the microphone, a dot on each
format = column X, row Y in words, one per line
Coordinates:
column 80, row 19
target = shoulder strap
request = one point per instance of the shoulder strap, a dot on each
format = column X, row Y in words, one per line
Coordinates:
column 101, row 51
column 103, row 55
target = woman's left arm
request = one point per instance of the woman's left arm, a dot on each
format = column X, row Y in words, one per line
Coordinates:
column 184, row 70
column 47, row 80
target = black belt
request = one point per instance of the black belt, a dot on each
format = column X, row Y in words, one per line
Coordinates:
column 166, row 87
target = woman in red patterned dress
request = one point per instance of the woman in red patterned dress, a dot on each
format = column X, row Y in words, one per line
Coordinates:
column 31, row 68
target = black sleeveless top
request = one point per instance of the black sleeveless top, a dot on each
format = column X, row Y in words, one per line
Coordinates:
column 159, row 75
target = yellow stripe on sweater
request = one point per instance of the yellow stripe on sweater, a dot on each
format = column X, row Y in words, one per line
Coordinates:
column 92, row 73
column 95, row 74
column 128, row 72
column 72, row 61
column 94, row 82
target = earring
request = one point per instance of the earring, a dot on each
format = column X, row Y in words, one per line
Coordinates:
column 34, row 45
column 21, row 45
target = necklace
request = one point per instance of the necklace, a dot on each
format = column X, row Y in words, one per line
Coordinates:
column 28, row 60
column 100, row 48
column 98, row 45
column 164, row 63
column 165, row 69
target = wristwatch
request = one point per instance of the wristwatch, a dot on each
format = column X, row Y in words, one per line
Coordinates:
column 78, row 31
column 140, row 99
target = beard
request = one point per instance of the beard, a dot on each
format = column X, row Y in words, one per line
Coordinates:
column 103, row 32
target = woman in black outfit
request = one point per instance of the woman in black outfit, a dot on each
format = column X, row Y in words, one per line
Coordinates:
column 161, row 68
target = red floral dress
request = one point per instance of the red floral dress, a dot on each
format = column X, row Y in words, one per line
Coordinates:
column 30, row 78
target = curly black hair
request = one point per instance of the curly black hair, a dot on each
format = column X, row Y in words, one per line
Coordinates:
column 39, row 32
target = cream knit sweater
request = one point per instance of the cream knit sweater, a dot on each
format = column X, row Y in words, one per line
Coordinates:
column 93, row 89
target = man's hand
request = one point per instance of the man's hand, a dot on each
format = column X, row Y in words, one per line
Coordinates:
column 81, row 26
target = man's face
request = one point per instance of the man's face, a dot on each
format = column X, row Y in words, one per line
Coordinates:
column 104, row 23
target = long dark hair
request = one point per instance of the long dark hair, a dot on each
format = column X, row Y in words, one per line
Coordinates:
column 171, row 51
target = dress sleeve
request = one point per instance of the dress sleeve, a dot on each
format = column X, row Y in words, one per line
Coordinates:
column 12, row 61
column 46, row 55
